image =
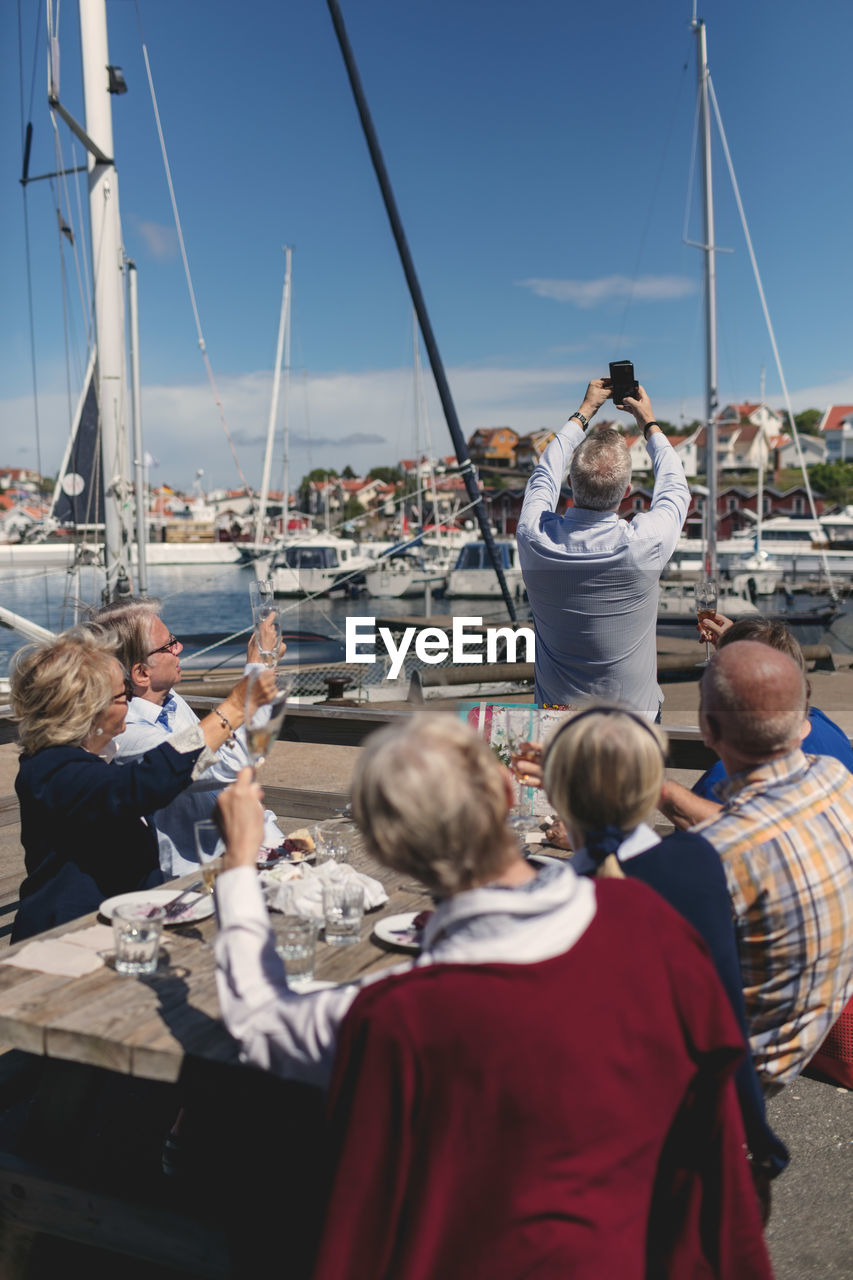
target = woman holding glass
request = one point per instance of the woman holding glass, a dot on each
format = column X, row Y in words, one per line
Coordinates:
column 82, row 822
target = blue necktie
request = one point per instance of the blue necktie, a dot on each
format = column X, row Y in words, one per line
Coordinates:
column 169, row 706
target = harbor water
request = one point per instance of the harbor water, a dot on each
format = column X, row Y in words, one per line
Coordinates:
column 204, row 600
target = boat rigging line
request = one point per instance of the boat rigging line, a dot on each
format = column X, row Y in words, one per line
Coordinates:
column 187, row 273
column 442, row 385
column 770, row 331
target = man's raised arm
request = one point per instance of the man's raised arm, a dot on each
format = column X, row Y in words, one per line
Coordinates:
column 543, row 488
column 671, row 495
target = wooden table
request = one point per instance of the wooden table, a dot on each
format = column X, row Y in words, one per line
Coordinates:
column 155, row 1032
column 147, row 1027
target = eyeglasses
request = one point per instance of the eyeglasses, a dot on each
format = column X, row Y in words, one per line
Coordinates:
column 126, row 693
column 168, row 647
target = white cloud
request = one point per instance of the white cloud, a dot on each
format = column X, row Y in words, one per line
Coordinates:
column 365, row 419
column 591, row 293
column 161, row 242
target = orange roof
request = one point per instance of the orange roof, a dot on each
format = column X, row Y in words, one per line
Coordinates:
column 833, row 419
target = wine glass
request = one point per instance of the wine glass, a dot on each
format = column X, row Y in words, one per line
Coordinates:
column 268, row 635
column 705, row 595
column 263, row 723
column 261, row 597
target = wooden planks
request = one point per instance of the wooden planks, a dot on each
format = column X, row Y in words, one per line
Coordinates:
column 147, row 1027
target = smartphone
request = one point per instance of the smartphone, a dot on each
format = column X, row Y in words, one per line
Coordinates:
column 622, row 380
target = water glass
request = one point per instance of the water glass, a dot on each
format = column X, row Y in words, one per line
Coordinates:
column 209, row 847
column 332, row 842
column 136, row 932
column 343, row 909
column 295, row 942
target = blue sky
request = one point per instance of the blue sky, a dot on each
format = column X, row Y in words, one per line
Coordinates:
column 540, row 155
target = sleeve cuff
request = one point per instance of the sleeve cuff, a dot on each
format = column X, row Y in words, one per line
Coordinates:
column 239, row 899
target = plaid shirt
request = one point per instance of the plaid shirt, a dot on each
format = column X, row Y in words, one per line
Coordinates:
column 785, row 836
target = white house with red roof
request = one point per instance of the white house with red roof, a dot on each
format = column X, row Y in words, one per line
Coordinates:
column 836, row 427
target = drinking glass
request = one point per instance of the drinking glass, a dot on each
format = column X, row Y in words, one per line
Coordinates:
column 264, row 723
column 268, row 634
column 209, row 847
column 136, row 933
column 333, row 840
column 343, row 909
column 261, row 596
column 295, row 942
column 705, row 595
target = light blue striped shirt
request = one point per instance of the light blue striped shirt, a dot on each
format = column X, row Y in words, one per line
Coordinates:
column 592, row 580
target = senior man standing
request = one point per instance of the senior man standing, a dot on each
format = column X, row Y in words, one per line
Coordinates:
column 591, row 578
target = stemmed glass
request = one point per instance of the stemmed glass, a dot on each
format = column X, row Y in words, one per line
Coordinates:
column 263, row 723
column 268, row 635
column 261, row 596
column 705, row 595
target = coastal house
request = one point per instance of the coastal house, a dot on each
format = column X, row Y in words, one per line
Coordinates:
column 529, row 448
column 493, row 446
column 814, row 449
column 744, row 436
column 836, row 428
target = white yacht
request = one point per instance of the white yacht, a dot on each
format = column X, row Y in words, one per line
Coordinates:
column 315, row 564
column 474, row 574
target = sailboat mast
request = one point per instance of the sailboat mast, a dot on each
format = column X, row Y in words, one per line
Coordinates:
column 285, row 412
column 709, row 247
column 276, row 383
column 108, row 273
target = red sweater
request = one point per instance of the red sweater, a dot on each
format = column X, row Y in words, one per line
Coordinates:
column 574, row 1118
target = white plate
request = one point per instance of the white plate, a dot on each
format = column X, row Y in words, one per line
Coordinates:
column 397, row 931
column 316, row 984
column 197, row 906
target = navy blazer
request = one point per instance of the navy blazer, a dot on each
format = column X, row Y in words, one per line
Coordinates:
column 82, row 830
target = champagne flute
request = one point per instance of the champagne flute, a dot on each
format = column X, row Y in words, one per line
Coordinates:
column 705, row 595
column 268, row 635
column 262, row 724
column 261, row 597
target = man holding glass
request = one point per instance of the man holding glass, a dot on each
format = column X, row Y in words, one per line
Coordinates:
column 591, row 578
column 151, row 655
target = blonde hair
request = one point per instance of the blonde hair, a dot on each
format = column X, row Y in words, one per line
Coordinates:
column 129, row 622
column 429, row 798
column 604, row 769
column 58, row 689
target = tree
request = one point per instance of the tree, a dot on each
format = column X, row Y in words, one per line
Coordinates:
column 834, row 480
column 388, row 475
column 807, row 421
column 348, row 473
column 319, row 473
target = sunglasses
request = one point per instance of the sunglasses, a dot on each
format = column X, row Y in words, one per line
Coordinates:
column 168, row 647
column 127, row 693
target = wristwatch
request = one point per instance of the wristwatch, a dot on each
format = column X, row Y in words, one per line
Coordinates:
column 584, row 421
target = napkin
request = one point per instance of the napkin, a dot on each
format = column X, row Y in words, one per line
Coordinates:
column 302, row 895
column 98, row 937
column 56, row 956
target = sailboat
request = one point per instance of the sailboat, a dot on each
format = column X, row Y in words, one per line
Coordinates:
column 736, row 598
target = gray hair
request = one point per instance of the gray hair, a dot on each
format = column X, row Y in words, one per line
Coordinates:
column 600, row 470
column 129, row 622
column 429, row 798
column 605, row 767
column 59, row 687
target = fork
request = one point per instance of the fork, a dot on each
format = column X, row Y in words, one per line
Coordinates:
column 176, row 905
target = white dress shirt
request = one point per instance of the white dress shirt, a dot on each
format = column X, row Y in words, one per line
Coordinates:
column 592, row 580
column 295, row 1035
column 147, row 726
